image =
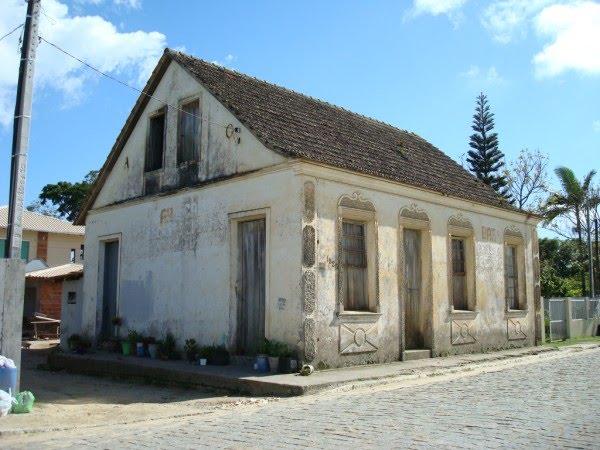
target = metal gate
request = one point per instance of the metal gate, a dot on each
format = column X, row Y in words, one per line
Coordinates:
column 558, row 320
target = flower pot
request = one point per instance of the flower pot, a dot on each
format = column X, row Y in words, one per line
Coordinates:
column 262, row 363
column 139, row 348
column 219, row 359
column 274, row 364
column 126, row 347
column 202, row 361
column 153, row 350
column 288, row 365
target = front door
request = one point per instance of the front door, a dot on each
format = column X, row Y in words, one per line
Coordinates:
column 414, row 317
column 251, row 286
column 109, row 298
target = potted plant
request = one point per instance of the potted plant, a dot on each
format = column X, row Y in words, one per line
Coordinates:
column 191, row 350
column 136, row 340
column 79, row 344
column 262, row 362
column 117, row 322
column 168, row 347
column 155, row 350
column 287, row 362
column 219, row 356
column 150, row 347
column 204, row 353
column 276, row 350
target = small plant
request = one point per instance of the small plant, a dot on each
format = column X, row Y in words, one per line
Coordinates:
column 78, row 343
column 134, row 337
column 191, row 349
column 168, row 346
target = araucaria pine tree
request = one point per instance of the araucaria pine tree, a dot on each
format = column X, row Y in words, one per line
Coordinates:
column 485, row 159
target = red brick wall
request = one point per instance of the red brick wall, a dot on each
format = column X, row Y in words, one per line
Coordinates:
column 50, row 298
column 42, row 246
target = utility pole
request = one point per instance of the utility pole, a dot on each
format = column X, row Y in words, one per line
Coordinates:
column 20, row 145
column 591, row 253
column 12, row 267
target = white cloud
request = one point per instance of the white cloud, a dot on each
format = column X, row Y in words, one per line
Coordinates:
column 489, row 76
column 450, row 8
column 574, row 31
column 596, row 125
column 127, row 3
column 226, row 62
column 509, row 19
column 91, row 38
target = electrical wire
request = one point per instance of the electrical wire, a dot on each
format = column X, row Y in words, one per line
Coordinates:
column 129, row 86
column 11, row 32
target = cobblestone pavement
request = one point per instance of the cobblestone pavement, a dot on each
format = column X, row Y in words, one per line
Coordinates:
column 553, row 403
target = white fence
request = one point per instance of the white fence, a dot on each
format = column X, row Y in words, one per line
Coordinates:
column 572, row 317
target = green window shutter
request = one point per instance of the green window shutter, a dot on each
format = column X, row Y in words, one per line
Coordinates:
column 25, row 250
column 2, row 247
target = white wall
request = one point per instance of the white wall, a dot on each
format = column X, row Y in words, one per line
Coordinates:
column 71, row 313
column 176, row 274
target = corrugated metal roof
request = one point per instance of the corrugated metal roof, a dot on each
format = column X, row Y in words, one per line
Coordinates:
column 64, row 271
column 39, row 222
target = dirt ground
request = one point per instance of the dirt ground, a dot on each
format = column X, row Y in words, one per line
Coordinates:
column 68, row 401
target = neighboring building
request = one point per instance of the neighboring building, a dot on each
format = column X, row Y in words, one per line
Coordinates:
column 245, row 210
column 47, row 242
column 52, row 240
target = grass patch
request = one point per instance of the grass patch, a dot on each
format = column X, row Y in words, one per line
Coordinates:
column 575, row 341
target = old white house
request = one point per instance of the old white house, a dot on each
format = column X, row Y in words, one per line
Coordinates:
column 230, row 209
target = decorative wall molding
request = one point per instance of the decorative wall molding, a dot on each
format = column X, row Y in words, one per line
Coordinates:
column 308, row 246
column 514, row 330
column 463, row 332
column 460, row 221
column 513, row 231
column 414, row 212
column 356, row 201
column 309, row 292
column 309, row 201
column 310, row 342
column 359, row 338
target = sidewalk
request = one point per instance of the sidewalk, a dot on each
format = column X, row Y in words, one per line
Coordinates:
column 246, row 381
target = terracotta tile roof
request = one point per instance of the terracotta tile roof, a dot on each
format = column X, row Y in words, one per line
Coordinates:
column 303, row 127
column 65, row 271
column 38, row 222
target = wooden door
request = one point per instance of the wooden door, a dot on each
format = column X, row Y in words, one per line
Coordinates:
column 414, row 316
column 251, row 286
column 109, row 297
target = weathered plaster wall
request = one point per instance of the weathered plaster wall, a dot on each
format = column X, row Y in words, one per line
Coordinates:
column 176, row 269
column 71, row 311
column 491, row 327
column 220, row 156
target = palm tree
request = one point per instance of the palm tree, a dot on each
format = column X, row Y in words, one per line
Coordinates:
column 570, row 204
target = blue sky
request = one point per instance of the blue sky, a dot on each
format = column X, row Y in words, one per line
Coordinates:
column 417, row 65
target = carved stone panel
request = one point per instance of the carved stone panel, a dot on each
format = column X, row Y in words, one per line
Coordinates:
column 463, row 332
column 308, row 292
column 310, row 342
column 308, row 246
column 515, row 329
column 359, row 337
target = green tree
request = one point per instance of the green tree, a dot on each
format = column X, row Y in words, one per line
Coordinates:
column 68, row 198
column 485, row 159
column 569, row 204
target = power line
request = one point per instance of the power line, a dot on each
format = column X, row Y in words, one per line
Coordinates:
column 129, row 86
column 11, row 32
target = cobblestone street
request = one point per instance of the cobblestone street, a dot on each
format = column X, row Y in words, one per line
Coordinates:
column 549, row 404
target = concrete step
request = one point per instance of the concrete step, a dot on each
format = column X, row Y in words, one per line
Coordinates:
column 411, row 355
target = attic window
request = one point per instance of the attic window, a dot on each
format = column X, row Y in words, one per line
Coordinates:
column 189, row 132
column 155, row 142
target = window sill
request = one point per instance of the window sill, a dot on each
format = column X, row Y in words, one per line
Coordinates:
column 463, row 314
column 358, row 316
column 516, row 313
